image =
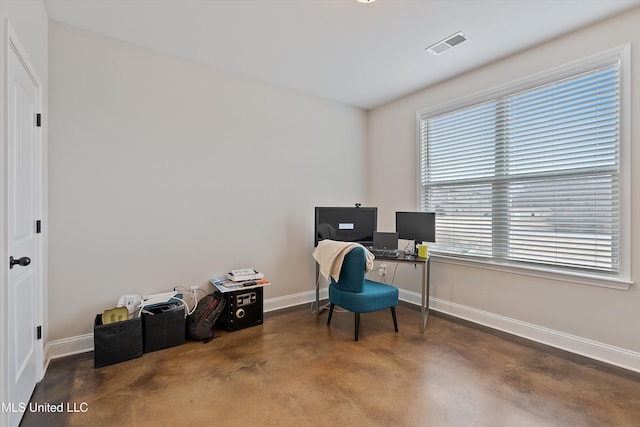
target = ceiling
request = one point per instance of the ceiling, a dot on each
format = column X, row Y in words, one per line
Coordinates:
column 363, row 55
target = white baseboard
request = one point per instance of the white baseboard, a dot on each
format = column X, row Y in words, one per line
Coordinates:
column 67, row 347
column 595, row 350
column 278, row 303
column 609, row 354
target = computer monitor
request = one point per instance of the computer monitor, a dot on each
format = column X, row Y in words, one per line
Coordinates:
column 346, row 224
column 417, row 226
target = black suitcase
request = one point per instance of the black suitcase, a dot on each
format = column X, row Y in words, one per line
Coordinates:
column 202, row 321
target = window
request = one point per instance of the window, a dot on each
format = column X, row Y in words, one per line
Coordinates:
column 530, row 175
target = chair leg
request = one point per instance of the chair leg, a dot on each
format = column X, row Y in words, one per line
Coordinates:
column 395, row 320
column 357, row 327
column 330, row 314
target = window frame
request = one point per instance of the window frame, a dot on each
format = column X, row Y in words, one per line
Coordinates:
column 621, row 280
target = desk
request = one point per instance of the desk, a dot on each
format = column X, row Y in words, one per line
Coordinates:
column 401, row 259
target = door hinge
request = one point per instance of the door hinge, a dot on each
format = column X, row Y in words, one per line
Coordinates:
column 39, row 332
column 38, row 120
column 38, row 226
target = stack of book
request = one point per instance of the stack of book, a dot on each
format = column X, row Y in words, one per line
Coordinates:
column 225, row 284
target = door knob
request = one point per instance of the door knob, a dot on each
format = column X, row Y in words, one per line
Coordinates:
column 24, row 261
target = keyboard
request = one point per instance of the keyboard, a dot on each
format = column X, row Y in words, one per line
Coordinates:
column 385, row 253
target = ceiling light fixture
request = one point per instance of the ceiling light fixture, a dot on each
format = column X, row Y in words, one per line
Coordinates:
column 447, row 43
column 366, row 1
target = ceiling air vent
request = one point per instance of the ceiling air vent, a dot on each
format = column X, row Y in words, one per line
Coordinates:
column 448, row 43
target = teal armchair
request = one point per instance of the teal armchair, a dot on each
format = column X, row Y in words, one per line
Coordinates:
column 357, row 294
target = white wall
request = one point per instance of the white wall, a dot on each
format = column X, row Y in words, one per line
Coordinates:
column 579, row 316
column 30, row 23
column 165, row 172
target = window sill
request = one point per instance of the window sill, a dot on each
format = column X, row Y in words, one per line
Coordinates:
column 539, row 272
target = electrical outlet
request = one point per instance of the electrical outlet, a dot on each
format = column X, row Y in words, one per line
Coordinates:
column 382, row 270
column 132, row 302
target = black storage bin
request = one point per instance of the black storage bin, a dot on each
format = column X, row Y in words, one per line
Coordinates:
column 116, row 342
column 164, row 326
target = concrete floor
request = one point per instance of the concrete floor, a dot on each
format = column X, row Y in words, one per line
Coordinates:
column 296, row 371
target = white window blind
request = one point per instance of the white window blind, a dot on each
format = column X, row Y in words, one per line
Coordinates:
column 531, row 177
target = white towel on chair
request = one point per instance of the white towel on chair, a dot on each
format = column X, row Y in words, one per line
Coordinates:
column 330, row 254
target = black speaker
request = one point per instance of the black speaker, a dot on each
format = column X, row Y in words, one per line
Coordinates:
column 243, row 309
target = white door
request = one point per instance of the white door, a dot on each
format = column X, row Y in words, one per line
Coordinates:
column 23, row 241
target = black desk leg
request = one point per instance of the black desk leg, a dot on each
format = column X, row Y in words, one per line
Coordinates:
column 424, row 309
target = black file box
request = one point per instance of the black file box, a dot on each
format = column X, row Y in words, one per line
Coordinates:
column 163, row 326
column 116, row 342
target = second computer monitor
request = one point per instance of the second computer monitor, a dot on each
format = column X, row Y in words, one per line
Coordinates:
column 417, row 226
